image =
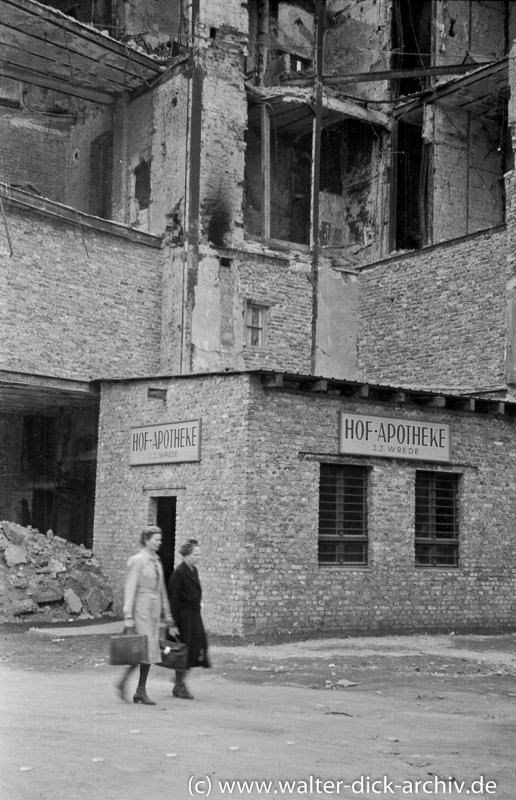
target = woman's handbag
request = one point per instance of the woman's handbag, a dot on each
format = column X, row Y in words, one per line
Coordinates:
column 174, row 654
column 128, row 648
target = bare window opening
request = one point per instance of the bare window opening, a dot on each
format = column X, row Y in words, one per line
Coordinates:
column 101, row 176
column 331, row 161
column 213, row 33
column 278, row 178
column 412, row 41
column 281, row 39
column 142, row 185
column 411, row 161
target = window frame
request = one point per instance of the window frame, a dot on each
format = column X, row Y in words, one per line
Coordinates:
column 261, row 329
column 443, row 519
column 342, row 511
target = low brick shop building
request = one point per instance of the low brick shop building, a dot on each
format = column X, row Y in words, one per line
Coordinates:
column 321, row 506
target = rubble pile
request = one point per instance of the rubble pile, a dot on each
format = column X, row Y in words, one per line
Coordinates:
column 46, row 578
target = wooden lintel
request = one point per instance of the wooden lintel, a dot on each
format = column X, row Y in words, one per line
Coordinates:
column 438, row 402
column 320, row 386
column 273, row 381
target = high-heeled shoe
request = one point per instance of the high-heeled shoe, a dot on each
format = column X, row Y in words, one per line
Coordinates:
column 182, row 692
column 141, row 696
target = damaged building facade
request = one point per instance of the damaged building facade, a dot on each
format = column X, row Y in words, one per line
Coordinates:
column 242, row 245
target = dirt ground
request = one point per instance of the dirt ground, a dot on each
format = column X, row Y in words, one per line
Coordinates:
column 424, row 708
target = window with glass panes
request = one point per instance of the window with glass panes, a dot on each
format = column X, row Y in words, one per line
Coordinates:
column 256, row 325
column 437, row 519
column 343, row 514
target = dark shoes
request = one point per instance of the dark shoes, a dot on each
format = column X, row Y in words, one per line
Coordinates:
column 140, row 696
column 182, row 692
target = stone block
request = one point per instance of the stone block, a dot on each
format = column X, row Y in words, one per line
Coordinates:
column 97, row 600
column 16, row 534
column 48, row 595
column 73, row 602
column 24, row 607
column 15, row 554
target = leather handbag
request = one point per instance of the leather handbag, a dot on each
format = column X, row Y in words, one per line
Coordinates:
column 128, row 648
column 174, row 654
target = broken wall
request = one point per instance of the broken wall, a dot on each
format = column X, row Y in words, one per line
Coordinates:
column 468, row 189
column 224, row 116
column 358, row 39
column 354, row 219
column 149, row 156
column 151, row 26
column 34, row 138
column 92, row 121
column 474, row 28
column 279, row 284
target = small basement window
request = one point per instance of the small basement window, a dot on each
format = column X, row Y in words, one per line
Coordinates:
column 343, row 514
column 437, row 519
column 256, row 325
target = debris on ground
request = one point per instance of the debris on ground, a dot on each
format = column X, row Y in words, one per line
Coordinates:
column 46, row 578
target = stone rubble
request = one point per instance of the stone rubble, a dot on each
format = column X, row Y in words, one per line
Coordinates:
column 46, row 578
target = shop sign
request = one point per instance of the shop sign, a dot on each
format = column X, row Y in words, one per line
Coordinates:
column 172, row 442
column 393, row 437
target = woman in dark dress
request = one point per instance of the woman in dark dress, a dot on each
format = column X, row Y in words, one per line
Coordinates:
column 185, row 596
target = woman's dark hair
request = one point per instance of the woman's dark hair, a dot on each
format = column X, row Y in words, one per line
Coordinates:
column 148, row 532
column 188, row 547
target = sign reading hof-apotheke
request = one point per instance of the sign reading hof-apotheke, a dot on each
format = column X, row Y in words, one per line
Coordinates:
column 171, row 442
column 393, row 437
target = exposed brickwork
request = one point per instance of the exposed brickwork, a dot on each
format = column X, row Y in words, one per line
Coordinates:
column 436, row 318
column 253, row 503
column 211, row 495
column 34, row 152
column 77, row 304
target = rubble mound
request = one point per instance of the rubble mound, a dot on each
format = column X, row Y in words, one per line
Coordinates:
column 44, row 578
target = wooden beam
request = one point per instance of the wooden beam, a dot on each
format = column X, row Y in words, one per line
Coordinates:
column 48, row 82
column 266, row 170
column 273, row 381
column 438, row 402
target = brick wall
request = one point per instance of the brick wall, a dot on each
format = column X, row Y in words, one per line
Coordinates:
column 218, row 320
column 77, row 304
column 252, row 501
column 286, row 589
column 210, row 495
column 436, row 317
column 34, row 151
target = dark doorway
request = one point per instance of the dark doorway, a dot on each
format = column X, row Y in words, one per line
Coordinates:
column 166, row 520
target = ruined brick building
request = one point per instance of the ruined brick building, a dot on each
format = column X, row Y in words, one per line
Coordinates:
column 257, row 282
